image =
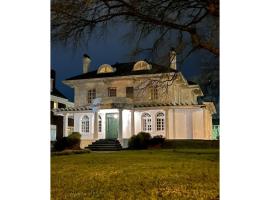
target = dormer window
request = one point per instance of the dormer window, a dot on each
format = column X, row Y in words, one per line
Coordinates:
column 141, row 65
column 105, row 68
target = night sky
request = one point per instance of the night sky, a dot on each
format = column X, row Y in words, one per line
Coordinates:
column 67, row 60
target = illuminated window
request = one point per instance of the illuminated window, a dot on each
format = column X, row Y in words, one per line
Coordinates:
column 160, row 121
column 154, row 93
column 99, row 124
column 105, row 68
column 91, row 95
column 85, row 124
column 55, row 105
column 112, row 92
column 141, row 65
column 146, row 122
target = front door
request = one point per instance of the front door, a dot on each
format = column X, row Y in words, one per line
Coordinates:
column 112, row 126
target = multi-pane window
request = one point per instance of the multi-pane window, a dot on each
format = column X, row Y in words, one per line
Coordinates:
column 112, row 92
column 129, row 92
column 154, row 93
column 146, row 122
column 160, row 121
column 91, row 95
column 85, row 124
column 99, row 124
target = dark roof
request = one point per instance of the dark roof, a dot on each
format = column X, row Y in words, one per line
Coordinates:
column 57, row 93
column 191, row 83
column 124, row 69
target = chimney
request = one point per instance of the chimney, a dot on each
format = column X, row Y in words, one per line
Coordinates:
column 52, row 79
column 86, row 63
column 173, row 59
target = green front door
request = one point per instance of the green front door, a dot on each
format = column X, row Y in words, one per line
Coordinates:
column 112, row 126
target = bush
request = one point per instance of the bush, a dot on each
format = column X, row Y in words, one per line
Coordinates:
column 74, row 140
column 157, row 140
column 71, row 142
column 139, row 141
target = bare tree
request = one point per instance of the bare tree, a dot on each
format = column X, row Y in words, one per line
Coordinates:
column 185, row 25
column 190, row 24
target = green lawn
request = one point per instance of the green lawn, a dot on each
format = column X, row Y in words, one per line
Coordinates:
column 148, row 174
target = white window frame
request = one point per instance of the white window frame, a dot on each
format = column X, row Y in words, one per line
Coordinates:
column 85, row 124
column 154, row 92
column 110, row 91
column 91, row 95
column 146, row 122
column 160, row 121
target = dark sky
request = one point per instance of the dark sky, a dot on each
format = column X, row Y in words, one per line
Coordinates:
column 67, row 61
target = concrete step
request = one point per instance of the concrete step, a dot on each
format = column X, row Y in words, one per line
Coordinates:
column 105, row 145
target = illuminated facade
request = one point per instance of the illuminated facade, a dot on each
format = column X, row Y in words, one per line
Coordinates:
column 124, row 99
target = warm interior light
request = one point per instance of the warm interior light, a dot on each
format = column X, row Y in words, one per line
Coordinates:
column 115, row 116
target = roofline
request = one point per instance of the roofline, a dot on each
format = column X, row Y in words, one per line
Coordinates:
column 71, row 82
column 62, row 100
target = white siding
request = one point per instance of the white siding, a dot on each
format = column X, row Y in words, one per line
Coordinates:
column 180, row 124
column 198, row 124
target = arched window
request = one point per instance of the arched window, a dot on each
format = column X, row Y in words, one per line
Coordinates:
column 85, row 124
column 99, row 124
column 141, row 65
column 105, row 68
column 160, row 121
column 146, row 122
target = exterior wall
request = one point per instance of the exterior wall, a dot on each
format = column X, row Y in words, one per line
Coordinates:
column 208, row 124
column 77, row 125
column 138, row 122
column 198, row 124
column 179, row 92
column 193, row 123
column 186, row 123
column 180, row 121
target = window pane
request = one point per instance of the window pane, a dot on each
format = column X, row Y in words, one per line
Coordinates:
column 91, row 95
column 129, row 92
column 112, row 92
column 154, row 93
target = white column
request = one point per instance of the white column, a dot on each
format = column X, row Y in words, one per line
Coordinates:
column 120, row 135
column 132, row 122
column 65, row 125
column 96, row 125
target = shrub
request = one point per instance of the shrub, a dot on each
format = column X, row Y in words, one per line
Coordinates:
column 139, row 141
column 74, row 140
column 71, row 142
column 157, row 140
column 61, row 144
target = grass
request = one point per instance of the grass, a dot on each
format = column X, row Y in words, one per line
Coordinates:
column 146, row 174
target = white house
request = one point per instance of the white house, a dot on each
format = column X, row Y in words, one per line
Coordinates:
column 121, row 100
